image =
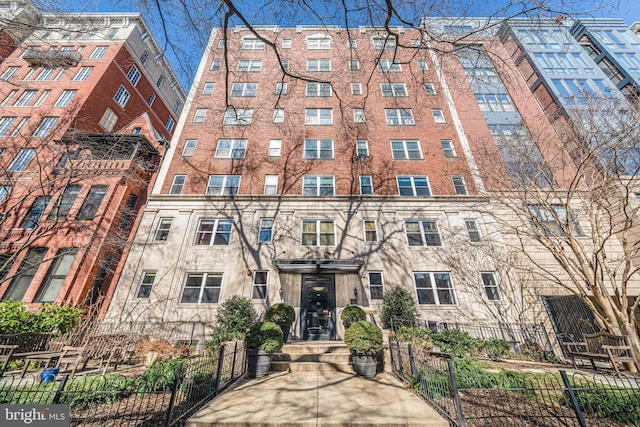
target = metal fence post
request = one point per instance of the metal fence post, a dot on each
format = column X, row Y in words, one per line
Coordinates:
column 412, row 362
column 456, row 394
column 574, row 400
column 235, row 353
column 219, row 370
column 174, row 391
column 400, row 360
column 58, row 395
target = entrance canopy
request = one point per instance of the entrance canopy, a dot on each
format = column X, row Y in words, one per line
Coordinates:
column 334, row 266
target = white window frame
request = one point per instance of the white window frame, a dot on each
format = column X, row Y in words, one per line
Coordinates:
column 459, row 185
column 275, row 148
column 320, row 151
column 249, row 66
column 414, row 188
column 318, row 42
column 144, row 284
column 428, row 230
column 434, row 289
column 208, row 88
column 219, row 232
column 5, row 125
column 189, row 148
column 266, row 226
column 422, row 65
column 430, row 89
column 229, row 185
column 231, row 149
column 471, row 225
column 216, row 65
column 388, row 66
column 259, row 290
column 65, row 98
column 397, row 90
column 356, row 89
column 319, row 234
column 109, row 119
column 318, row 185
column 286, row 44
column 244, row 89
column 318, row 89
column 122, row 96
column 238, row 117
column 363, row 184
column 82, row 74
column 270, row 185
column 399, row 117
column 281, row 88
column 205, row 276
column 22, row 159
column 358, row 116
column 199, row 115
column 318, row 65
column 163, row 229
column 252, row 43
column 98, row 52
column 407, row 150
column 448, row 148
column 438, row 116
column 368, row 234
column 354, row 65
column 318, row 116
column 362, row 148
column 177, row 184
column 25, row 98
column 378, row 295
column 134, row 75
column 490, row 286
column 45, row 127
column 278, row 115
column 8, row 73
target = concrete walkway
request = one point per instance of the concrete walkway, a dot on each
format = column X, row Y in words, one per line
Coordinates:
column 318, row 399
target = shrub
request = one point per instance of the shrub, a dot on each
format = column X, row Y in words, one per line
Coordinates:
column 363, row 338
column 235, row 315
column 495, row 348
column 280, row 313
column 398, row 308
column 51, row 318
column 353, row 314
column 418, row 337
column 616, row 403
column 265, row 336
column 93, row 391
column 456, row 342
column 158, row 377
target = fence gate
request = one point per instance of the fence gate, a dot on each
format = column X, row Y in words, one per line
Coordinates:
column 570, row 318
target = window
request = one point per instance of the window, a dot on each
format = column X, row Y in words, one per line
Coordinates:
column 189, row 147
column 41, row 98
column 352, row 44
column 318, row 149
column 8, row 73
column 136, row 131
column 447, row 148
column 18, row 128
column 281, row 88
column 244, row 89
column 134, row 75
column 65, row 98
column 5, row 125
column 214, row 232
column 399, row 117
column 490, row 286
column 146, row 284
column 318, row 116
column 122, row 96
column 358, row 116
column 201, row 288
column 459, row 185
column 221, row 44
column 362, row 148
column 472, row 230
column 65, row 202
column 317, row 185
column 199, row 115
column 422, row 233
column 284, row 65
column 24, row 275
column 266, row 230
column 238, row 116
column 422, row 65
column 223, row 185
column 178, row 184
column 406, row 150
column 271, row 184
column 249, row 65
column 494, row 102
column 376, row 285
column 354, row 65
column 56, row 274
column 208, row 88
column 5, row 190
column 278, row 115
column 259, row 285
column 82, row 74
column 169, row 124
column 388, row 66
column 386, row 43
column 92, row 202
column 160, row 81
column 25, row 98
column 275, row 146
column 286, row 44
column 318, row 43
column 438, row 116
column 22, row 160
column 318, row 233
column 108, row 120
column 413, row 186
column 315, row 65
column 45, row 74
column 250, row 43
column 414, row 43
column 366, row 185
column 370, row 231
column 162, row 232
column 32, row 218
column 552, row 221
column 231, row 149
column 356, row 89
column 152, row 98
column 318, row 89
column 215, row 65
column 9, row 97
column 434, row 288
column 144, row 57
column 394, row 89
column 430, row 89
column 98, row 52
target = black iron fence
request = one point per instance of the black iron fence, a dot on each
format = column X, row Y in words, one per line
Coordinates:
column 162, row 397
column 471, row 396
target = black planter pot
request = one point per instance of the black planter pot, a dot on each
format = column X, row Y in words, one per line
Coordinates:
column 258, row 362
column 364, row 365
column 285, row 326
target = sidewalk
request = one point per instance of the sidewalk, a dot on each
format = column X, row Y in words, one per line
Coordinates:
column 318, row 399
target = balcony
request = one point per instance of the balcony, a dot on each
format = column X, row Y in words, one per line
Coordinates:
column 51, row 58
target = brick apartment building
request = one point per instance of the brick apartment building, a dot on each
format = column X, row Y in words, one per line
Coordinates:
column 88, row 105
column 349, row 163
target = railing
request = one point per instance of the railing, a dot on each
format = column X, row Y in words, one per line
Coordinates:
column 51, row 58
column 174, row 332
column 469, row 396
column 116, row 399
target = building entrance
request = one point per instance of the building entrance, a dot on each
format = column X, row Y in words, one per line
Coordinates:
column 318, row 307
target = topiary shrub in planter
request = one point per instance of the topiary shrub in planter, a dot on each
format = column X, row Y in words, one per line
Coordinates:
column 352, row 314
column 262, row 339
column 398, row 309
column 364, row 340
column 283, row 315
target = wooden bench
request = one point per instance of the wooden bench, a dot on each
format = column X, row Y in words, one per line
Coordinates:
column 17, row 346
column 614, row 349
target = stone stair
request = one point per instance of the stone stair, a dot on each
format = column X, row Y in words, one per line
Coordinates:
column 312, row 356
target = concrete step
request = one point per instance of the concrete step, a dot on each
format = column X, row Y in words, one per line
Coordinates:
column 318, row 347
column 312, row 356
column 307, row 357
column 311, row 367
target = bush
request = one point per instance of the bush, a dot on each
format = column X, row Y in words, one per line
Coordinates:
column 456, row 342
column 418, row 337
column 398, row 308
column 51, row 318
column 93, row 391
column 353, row 314
column 158, row 377
column 363, row 338
column 496, row 348
column 265, row 336
column 280, row 313
column 235, row 316
column 616, row 403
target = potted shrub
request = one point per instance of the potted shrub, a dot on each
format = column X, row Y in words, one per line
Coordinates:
column 262, row 339
column 352, row 314
column 283, row 315
column 364, row 340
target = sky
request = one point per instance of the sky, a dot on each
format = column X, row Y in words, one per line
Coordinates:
column 184, row 46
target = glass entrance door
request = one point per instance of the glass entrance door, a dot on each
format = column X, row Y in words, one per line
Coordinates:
column 318, row 307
